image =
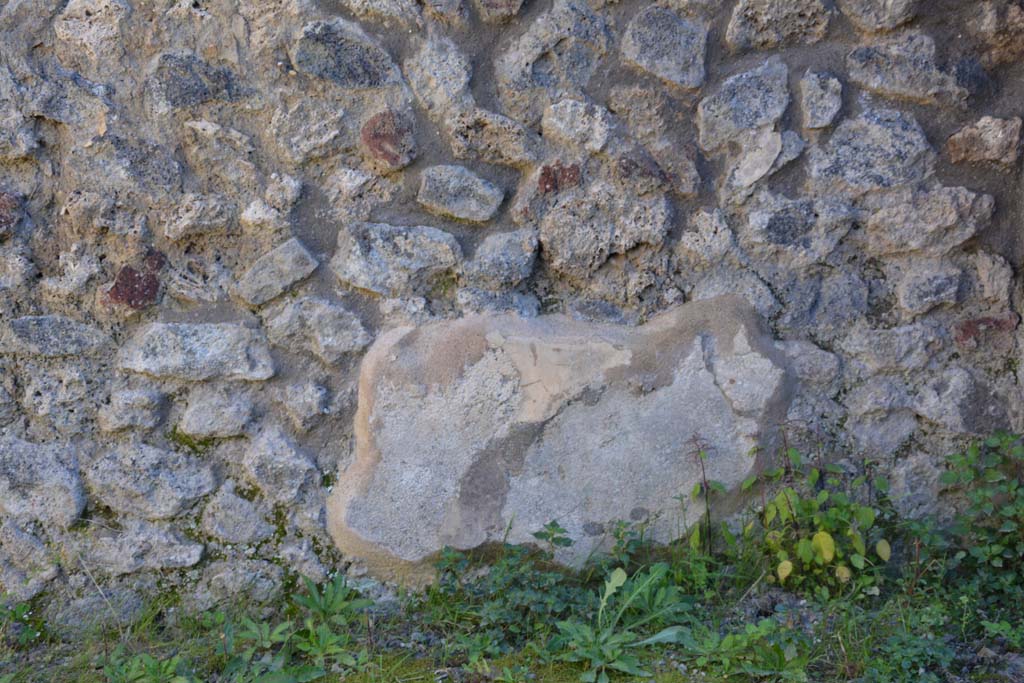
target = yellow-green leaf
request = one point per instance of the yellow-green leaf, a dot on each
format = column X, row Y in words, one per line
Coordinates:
column 884, row 550
column 843, row 573
column 824, row 545
column 784, row 569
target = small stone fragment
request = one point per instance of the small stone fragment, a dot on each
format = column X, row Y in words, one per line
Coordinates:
column 990, row 139
column 764, row 24
column 494, row 11
column 928, row 285
column 491, row 137
column 932, row 222
column 26, row 565
column 580, row 233
column 880, row 149
column 90, row 31
column 450, row 12
column 63, row 395
column 283, row 192
column 77, row 620
column 904, row 67
column 148, row 482
column 503, row 260
column 789, row 235
column 274, row 272
column 232, row 519
column 439, row 74
column 10, row 213
column 131, row 409
column 40, row 482
column 405, row 12
column 667, row 45
column 876, row 16
column 199, row 215
column 183, row 80
column 553, row 59
column 388, row 140
column 16, row 267
column 141, row 546
column 275, row 464
column 51, row 336
column 307, row 129
column 961, row 403
column 899, row 349
column 457, row 192
column 261, row 217
column 8, row 407
column 322, row 327
column 821, row 99
column 1000, row 26
column 994, row 277
column 197, row 352
column 393, row 260
column 746, row 101
column 305, row 403
column 577, row 125
column 340, row 51
column 254, row 582
column 216, row 413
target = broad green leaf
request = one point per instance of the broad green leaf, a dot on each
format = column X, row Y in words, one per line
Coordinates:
column 673, row 634
column 805, row 550
column 843, row 573
column 866, row 517
column 884, row 550
column 784, row 569
column 824, row 545
column 614, row 582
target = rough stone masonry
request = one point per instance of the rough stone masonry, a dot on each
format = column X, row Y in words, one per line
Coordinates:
column 294, row 285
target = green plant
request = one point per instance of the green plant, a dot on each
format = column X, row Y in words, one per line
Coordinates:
column 22, row 621
column 325, row 647
column 821, row 531
column 553, row 536
column 514, row 601
column 336, row 602
column 907, row 657
column 609, row 641
column 761, row 650
column 1011, row 635
column 143, row 668
column 989, row 530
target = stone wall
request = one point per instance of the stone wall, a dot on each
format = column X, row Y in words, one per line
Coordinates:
column 575, row 240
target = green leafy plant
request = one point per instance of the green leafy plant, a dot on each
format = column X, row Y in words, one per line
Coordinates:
column 821, row 531
column 336, row 602
column 1011, row 635
column 761, row 650
column 23, row 622
column 989, row 530
column 609, row 641
column 515, row 600
column 143, row 668
column 553, row 536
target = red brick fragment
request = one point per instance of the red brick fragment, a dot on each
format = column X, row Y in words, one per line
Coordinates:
column 556, row 177
column 134, row 289
column 992, row 332
column 388, row 138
